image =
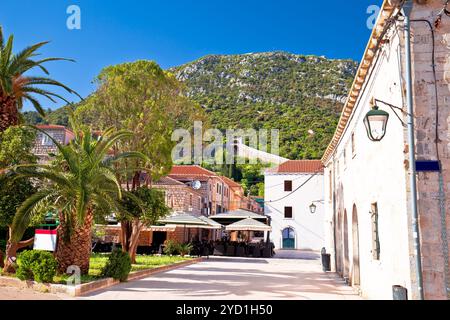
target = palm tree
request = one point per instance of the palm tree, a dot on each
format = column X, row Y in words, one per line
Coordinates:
column 16, row 87
column 80, row 182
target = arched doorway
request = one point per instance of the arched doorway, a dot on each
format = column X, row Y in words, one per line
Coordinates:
column 346, row 255
column 356, row 277
column 288, row 235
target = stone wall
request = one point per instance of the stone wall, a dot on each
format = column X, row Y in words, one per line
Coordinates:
column 434, row 222
column 182, row 199
column 42, row 150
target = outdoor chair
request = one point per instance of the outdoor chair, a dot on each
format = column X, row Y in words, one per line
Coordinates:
column 257, row 252
column 231, row 250
column 240, row 251
column 219, row 250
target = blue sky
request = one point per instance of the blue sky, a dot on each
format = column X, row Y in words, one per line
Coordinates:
column 173, row 32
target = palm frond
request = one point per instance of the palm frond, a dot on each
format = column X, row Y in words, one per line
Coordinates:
column 104, row 147
column 68, row 154
column 25, row 213
column 23, row 55
column 36, row 104
column 51, row 82
column 53, row 176
column 44, row 93
column 2, row 42
column 6, row 53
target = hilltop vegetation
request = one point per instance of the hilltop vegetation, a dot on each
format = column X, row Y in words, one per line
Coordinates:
column 302, row 96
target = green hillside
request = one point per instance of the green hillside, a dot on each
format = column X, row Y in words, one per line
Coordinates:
column 301, row 96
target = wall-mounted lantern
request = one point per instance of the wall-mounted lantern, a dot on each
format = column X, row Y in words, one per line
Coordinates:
column 313, row 207
column 376, row 122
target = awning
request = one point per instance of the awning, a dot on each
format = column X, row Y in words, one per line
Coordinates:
column 190, row 221
column 238, row 214
column 231, row 217
column 212, row 224
column 248, row 225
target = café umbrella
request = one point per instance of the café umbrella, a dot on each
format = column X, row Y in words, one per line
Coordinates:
column 186, row 220
column 248, row 225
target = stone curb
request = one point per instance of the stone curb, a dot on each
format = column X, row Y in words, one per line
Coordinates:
column 85, row 288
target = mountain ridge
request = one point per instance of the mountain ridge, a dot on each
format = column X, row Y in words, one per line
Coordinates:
column 301, row 95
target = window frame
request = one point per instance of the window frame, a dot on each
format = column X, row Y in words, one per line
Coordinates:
column 288, row 186
column 291, row 213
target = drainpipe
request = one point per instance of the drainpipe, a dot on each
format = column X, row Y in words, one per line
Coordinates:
column 334, row 215
column 407, row 8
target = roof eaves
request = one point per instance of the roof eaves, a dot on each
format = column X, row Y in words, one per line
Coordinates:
column 386, row 13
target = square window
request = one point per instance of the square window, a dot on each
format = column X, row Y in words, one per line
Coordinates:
column 288, row 212
column 288, row 185
column 46, row 141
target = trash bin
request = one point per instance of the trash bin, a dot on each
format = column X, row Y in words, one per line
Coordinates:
column 399, row 293
column 326, row 260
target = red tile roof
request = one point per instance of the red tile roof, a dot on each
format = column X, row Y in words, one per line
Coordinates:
column 298, row 166
column 190, row 171
column 167, row 181
column 231, row 183
column 50, row 126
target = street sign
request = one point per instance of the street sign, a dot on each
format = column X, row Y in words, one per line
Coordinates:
column 428, row 166
column 45, row 240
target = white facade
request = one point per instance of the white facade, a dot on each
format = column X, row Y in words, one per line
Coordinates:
column 368, row 210
column 306, row 228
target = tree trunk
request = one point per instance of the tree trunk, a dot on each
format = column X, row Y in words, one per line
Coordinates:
column 11, row 252
column 76, row 249
column 137, row 226
column 9, row 115
column 125, row 229
column 1, row 259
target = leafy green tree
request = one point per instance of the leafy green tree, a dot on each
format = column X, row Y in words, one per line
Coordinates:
column 147, row 209
column 79, row 181
column 142, row 98
column 15, row 148
column 17, row 87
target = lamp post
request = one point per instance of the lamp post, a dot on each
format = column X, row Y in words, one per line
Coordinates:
column 313, row 207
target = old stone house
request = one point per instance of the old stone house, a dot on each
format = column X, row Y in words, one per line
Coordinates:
column 44, row 146
column 181, row 198
column 290, row 189
column 370, row 185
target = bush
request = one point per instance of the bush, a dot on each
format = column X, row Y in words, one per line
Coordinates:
column 185, row 248
column 172, row 247
column 36, row 265
column 118, row 266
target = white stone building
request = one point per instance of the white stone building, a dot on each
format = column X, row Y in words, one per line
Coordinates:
column 289, row 191
column 368, row 185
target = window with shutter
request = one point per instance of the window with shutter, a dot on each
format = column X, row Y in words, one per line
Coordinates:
column 375, row 234
column 288, row 212
column 288, row 185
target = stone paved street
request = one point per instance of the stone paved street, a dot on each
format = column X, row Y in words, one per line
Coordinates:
column 291, row 275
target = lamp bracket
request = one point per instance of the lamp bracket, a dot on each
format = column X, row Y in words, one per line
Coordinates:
column 393, row 108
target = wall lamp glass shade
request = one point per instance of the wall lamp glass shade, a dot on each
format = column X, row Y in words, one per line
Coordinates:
column 312, row 208
column 376, row 122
